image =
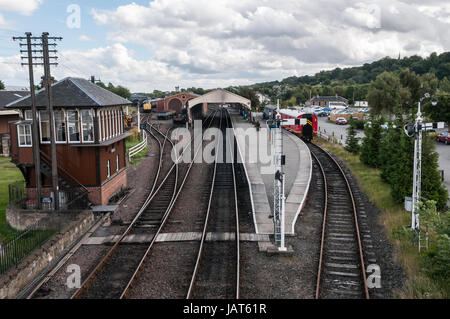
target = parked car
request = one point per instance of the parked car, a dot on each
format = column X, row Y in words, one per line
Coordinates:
column 341, row 121
column 444, row 138
column 323, row 113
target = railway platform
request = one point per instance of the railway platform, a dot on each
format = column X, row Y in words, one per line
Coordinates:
column 260, row 176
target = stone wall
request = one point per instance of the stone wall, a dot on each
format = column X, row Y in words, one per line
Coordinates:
column 17, row 278
column 22, row 219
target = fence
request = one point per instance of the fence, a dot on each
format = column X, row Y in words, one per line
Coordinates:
column 25, row 242
column 138, row 148
column 17, row 194
column 331, row 137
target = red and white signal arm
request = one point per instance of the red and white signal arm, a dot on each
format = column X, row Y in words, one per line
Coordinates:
column 294, row 122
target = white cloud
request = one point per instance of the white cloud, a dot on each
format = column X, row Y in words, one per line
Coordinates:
column 225, row 42
column 255, row 37
column 84, row 38
column 25, row 7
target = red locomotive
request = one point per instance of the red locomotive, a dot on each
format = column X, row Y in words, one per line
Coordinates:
column 307, row 131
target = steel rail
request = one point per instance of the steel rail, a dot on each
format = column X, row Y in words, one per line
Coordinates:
column 164, row 220
column 325, row 211
column 358, row 235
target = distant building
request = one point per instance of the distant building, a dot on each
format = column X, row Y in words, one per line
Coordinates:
column 90, row 141
column 6, row 116
column 175, row 102
column 332, row 102
column 361, row 104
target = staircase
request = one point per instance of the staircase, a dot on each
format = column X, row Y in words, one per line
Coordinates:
column 73, row 194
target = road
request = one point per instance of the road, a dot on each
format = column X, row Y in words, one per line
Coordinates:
column 340, row 132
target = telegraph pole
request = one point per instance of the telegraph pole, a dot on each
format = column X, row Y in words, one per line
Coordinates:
column 34, row 125
column 48, row 89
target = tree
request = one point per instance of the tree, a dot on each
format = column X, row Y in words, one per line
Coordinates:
column 384, row 93
column 440, row 112
column 444, row 85
column 119, row 90
column 251, row 95
column 410, row 92
column 2, row 85
column 352, row 141
column 370, row 147
column 432, row 186
column 41, row 84
column 390, row 151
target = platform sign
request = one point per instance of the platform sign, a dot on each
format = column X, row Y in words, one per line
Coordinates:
column 46, row 200
column 408, row 204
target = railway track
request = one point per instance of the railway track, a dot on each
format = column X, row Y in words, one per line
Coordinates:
column 217, row 269
column 110, row 276
column 164, row 219
column 341, row 271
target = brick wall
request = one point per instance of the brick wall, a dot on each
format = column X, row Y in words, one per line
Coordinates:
column 101, row 195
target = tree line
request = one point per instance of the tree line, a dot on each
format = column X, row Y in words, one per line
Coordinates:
column 394, row 99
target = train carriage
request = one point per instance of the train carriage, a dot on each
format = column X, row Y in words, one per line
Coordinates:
column 307, row 131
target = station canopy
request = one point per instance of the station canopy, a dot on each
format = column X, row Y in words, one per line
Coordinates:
column 220, row 96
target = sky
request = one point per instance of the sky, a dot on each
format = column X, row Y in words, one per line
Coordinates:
column 161, row 44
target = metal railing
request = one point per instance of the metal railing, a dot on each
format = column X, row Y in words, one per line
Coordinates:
column 138, row 148
column 18, row 194
column 12, row 253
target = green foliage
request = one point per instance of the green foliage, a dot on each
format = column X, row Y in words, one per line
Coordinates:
column 444, row 85
column 430, row 220
column 390, row 156
column 437, row 259
column 384, row 93
column 251, row 95
column 370, row 147
column 440, row 112
column 2, row 85
column 119, row 90
column 432, row 186
column 352, row 141
column 9, row 174
column 359, row 125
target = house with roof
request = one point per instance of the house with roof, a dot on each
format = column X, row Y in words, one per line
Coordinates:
column 175, row 103
column 332, row 102
column 8, row 115
column 89, row 137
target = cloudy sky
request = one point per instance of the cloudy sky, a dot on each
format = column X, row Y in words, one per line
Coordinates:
column 160, row 44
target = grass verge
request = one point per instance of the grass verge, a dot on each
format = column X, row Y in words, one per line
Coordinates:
column 9, row 174
column 394, row 218
column 138, row 157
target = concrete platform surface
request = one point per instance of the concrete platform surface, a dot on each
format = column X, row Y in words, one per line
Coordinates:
column 260, row 174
